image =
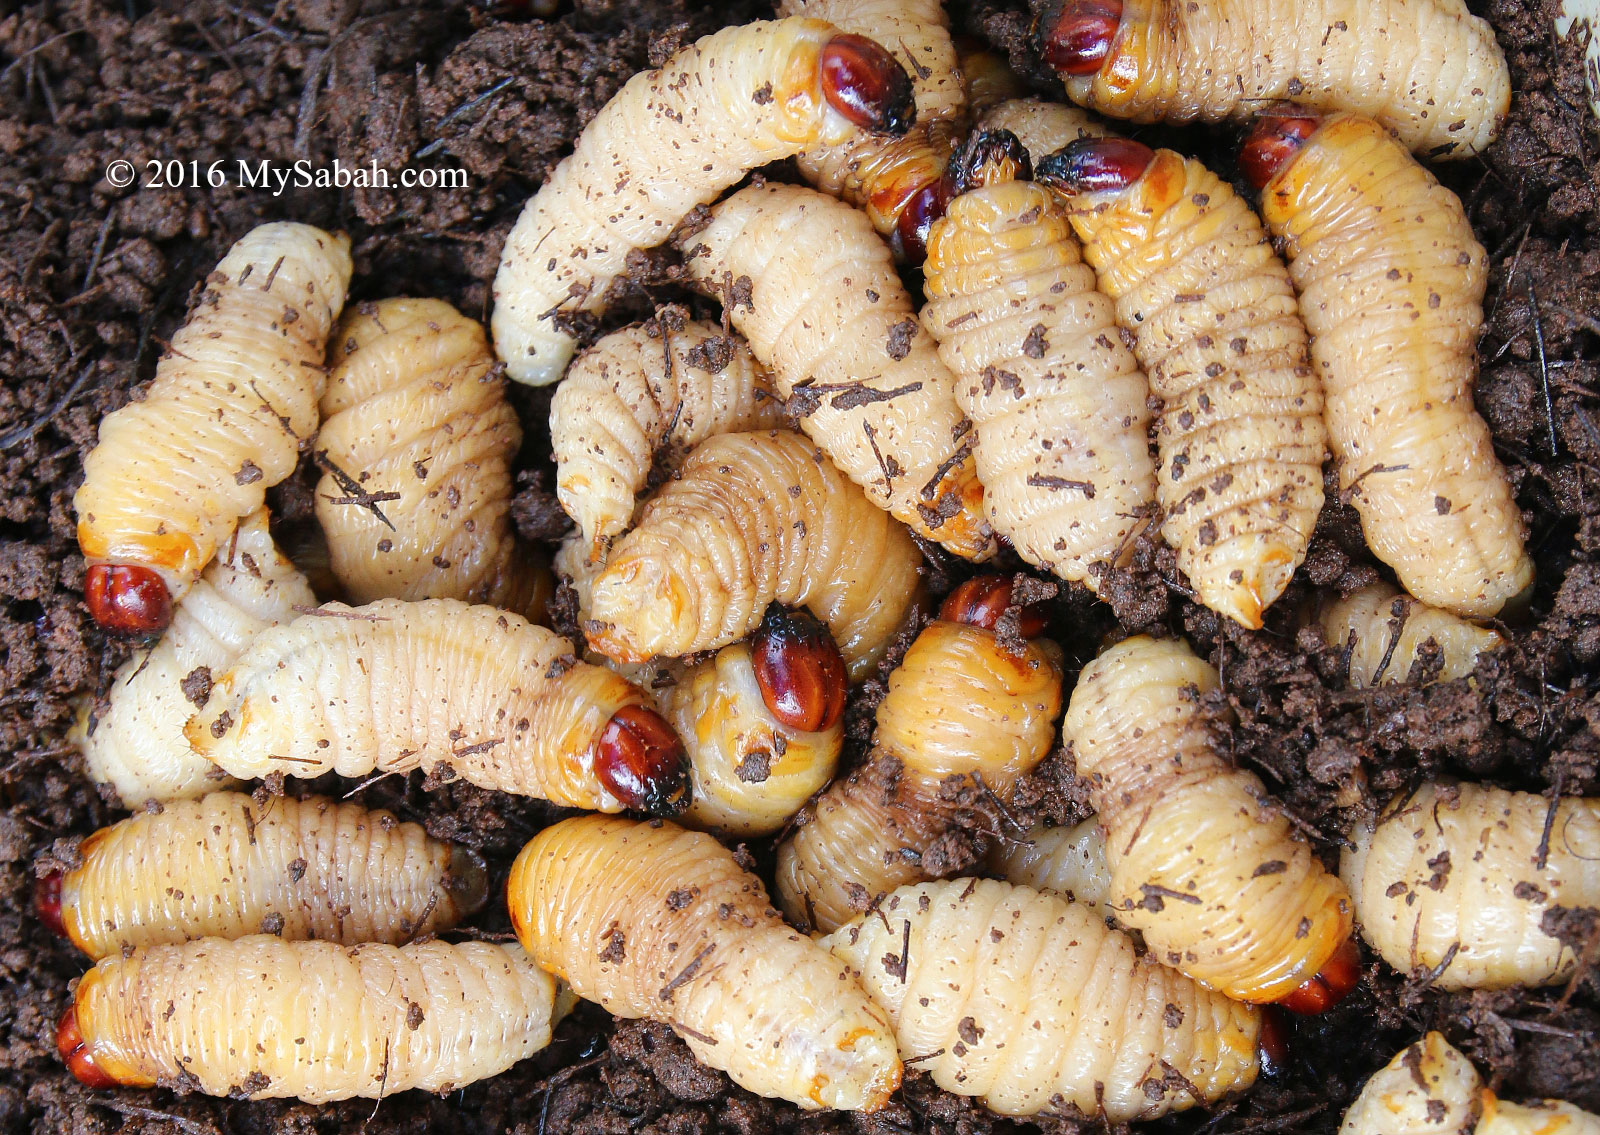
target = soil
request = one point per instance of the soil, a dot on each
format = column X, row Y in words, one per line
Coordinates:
column 94, row 279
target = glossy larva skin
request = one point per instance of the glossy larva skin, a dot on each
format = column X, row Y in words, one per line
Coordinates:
column 657, row 922
column 1493, row 894
column 750, row 519
column 224, row 867
column 1058, row 399
column 957, row 706
column 1042, row 127
column 642, row 394
column 1179, row 821
column 827, row 310
column 394, row 686
column 223, row 420
column 316, row 1021
column 751, row 771
column 135, row 743
column 1382, row 630
column 1429, row 1088
column 1071, row 861
column 1427, row 69
column 1216, row 327
column 1030, row 1002
column 671, row 139
column 413, row 389
column 1391, row 285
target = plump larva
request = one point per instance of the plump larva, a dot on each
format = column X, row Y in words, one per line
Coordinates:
column 135, row 743
column 1391, row 286
column 960, row 705
column 650, row 391
column 671, row 139
column 653, row 921
column 419, row 437
column 1201, row 863
column 896, row 180
column 1042, row 127
column 224, row 867
column 395, row 686
column 1070, row 861
column 752, row 519
column 1431, row 1089
column 267, row 1019
column 1427, row 69
column 1032, row 1004
column 1455, row 881
column 1058, row 398
column 1382, row 632
column 809, row 284
column 222, row 422
column 1216, row 328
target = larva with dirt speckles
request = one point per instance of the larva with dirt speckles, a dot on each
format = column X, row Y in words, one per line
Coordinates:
column 959, row 705
column 395, row 686
column 753, row 519
column 221, row 423
column 1455, row 881
column 1391, row 285
column 1032, row 1004
column 1042, row 369
column 415, row 413
column 1070, row 861
column 224, row 867
column 1217, row 330
column 1429, row 1088
column 642, row 394
column 671, row 139
column 135, row 743
column 1042, row 127
column 1201, row 864
column 809, row 284
column 1382, row 632
column 1429, row 70
column 267, row 1019
column 656, row 922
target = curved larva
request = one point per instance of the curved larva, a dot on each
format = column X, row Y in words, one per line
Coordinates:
column 1058, row 399
column 1240, row 435
column 223, row 867
column 224, row 417
column 643, row 392
column 1450, row 883
column 752, row 519
column 958, row 705
column 1042, row 127
column 1033, row 1004
column 316, row 1021
column 137, row 744
column 1382, row 631
column 394, row 686
column 1429, row 1088
column 1391, row 285
column 653, row 921
column 1070, row 861
column 671, row 139
column 415, row 407
column 1427, row 69
column 1200, row 863
column 826, row 310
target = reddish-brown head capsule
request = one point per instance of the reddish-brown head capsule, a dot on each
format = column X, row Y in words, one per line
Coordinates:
column 1090, row 165
column 1339, row 975
column 1075, row 36
column 75, row 1052
column 1272, row 1042
column 47, row 901
column 981, row 600
column 642, row 762
column 989, row 157
column 927, row 205
column 127, row 599
column 863, row 82
column 1271, row 142
column 799, row 669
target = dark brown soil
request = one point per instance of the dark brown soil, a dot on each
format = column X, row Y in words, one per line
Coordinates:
column 94, row 279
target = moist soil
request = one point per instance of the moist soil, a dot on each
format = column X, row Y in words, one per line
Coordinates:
column 94, row 279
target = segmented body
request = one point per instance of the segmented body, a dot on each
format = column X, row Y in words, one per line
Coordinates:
column 1383, row 631
column 1071, row 861
column 1042, row 127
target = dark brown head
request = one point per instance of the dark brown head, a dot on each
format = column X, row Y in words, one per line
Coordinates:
column 863, row 82
column 1272, row 1042
column 641, row 761
column 1091, row 165
column 988, row 157
column 798, row 666
column 1271, row 142
column 75, row 1052
column 1075, row 36
column 47, row 902
column 981, row 600
column 911, row 227
column 127, row 599
column 1339, row 975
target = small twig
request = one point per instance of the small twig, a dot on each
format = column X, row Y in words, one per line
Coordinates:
column 1544, row 369
column 99, row 248
column 438, row 142
column 23, row 433
column 324, row 613
column 685, row 974
column 177, row 1121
